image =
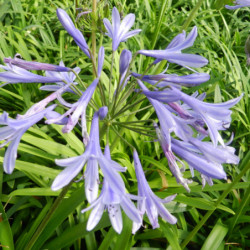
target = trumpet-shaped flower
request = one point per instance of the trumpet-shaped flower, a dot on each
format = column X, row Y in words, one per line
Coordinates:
column 164, row 80
column 72, row 30
column 119, row 31
column 13, row 130
column 197, row 161
column 78, row 109
column 169, row 122
column 111, row 200
column 217, row 116
column 14, row 74
column 92, row 156
column 172, row 159
column 151, row 204
column 30, row 65
column 239, row 4
column 173, row 51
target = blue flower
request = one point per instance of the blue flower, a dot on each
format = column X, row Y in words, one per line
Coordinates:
column 125, row 59
column 217, row 116
column 72, row 30
column 30, row 65
column 173, row 51
column 93, row 156
column 164, row 80
column 118, row 31
column 68, row 77
column 206, row 166
column 78, row 109
column 14, row 74
column 13, row 130
column 112, row 200
column 151, row 204
column 239, row 4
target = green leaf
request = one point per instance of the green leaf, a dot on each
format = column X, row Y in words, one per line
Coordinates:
column 67, row 206
column 6, row 238
column 215, row 237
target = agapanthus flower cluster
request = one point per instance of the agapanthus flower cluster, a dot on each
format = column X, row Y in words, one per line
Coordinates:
column 188, row 129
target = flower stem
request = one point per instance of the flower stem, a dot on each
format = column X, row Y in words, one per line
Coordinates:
column 48, row 216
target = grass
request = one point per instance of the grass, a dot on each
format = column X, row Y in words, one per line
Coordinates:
column 33, row 217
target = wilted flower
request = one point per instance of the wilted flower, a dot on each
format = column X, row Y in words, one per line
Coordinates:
column 173, row 51
column 13, row 130
column 239, row 4
column 118, row 31
column 72, row 30
column 151, row 204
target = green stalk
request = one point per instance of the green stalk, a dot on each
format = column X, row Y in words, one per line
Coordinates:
column 48, row 217
column 192, row 15
column 245, row 162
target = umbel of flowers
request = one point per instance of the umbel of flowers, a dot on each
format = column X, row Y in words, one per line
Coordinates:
column 188, row 128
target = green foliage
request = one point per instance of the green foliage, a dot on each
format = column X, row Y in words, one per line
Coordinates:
column 32, row 217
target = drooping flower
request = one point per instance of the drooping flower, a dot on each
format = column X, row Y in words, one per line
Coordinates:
column 113, row 201
column 72, row 30
column 14, row 74
column 208, row 168
column 13, row 130
column 78, row 109
column 239, row 4
column 119, row 31
column 217, row 116
column 151, row 204
column 30, row 65
column 93, row 156
column 172, row 159
column 173, row 52
column 164, row 80
column 169, row 122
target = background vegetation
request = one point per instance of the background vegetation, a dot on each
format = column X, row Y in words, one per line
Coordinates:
column 215, row 217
